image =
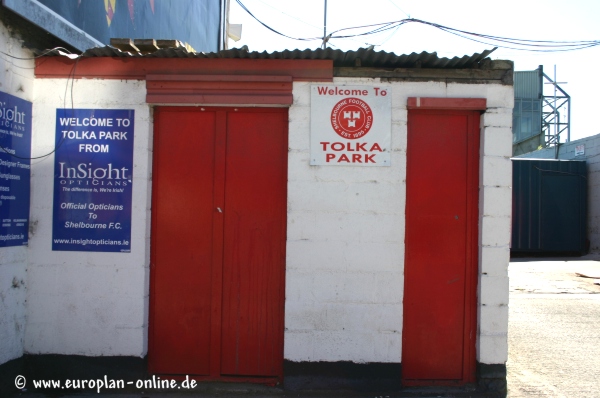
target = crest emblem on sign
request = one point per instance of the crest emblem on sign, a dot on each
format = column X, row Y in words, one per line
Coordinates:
column 351, row 118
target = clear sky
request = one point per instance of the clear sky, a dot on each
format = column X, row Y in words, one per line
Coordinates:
column 558, row 20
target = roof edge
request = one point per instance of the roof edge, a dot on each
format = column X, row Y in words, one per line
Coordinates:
column 361, row 58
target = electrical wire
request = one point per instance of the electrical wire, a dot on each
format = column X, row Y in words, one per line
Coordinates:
column 70, row 77
column 396, row 5
column 389, row 37
column 293, row 17
column 553, row 45
column 273, row 30
column 58, row 49
column 302, row 21
column 65, row 51
column 498, row 41
column 525, row 44
column 10, row 61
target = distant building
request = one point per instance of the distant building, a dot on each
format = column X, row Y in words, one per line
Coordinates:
column 540, row 118
column 527, row 113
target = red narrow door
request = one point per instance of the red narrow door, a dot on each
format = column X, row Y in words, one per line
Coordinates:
column 218, row 239
column 254, row 256
column 438, row 338
column 182, row 210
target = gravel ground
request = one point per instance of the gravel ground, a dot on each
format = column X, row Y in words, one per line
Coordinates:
column 554, row 328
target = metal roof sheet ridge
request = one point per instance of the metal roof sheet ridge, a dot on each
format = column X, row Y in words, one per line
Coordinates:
column 368, row 56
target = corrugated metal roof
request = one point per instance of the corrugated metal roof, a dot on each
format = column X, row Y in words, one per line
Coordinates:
column 367, row 57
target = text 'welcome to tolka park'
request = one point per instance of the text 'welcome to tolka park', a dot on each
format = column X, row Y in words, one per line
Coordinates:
column 92, row 134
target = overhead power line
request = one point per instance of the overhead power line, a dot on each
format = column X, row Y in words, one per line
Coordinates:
column 498, row 41
column 396, row 5
column 273, row 30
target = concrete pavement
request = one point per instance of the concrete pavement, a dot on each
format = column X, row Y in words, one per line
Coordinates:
column 554, row 328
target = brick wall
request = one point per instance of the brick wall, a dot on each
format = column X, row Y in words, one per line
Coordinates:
column 345, row 260
column 345, row 250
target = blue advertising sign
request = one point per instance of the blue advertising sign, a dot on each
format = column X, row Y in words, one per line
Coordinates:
column 15, row 151
column 198, row 23
column 93, row 166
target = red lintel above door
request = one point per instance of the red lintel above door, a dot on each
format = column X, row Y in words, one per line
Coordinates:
column 219, row 89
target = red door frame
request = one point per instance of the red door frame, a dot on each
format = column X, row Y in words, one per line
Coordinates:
column 474, row 106
column 217, row 259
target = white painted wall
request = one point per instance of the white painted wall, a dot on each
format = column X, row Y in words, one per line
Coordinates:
column 345, row 252
column 16, row 78
column 495, row 208
column 86, row 303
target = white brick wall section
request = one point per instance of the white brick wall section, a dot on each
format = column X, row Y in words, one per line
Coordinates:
column 495, row 231
column 497, row 95
column 494, row 290
column 494, row 260
column 80, row 309
column 13, row 294
column 494, row 171
column 344, row 281
column 497, row 117
column 16, row 78
column 401, row 92
column 299, row 120
column 495, row 142
column 494, row 320
column 496, row 199
column 345, row 247
column 16, row 75
column 88, row 303
column 345, row 255
column 493, row 345
column 493, row 349
column 309, row 255
column 495, row 223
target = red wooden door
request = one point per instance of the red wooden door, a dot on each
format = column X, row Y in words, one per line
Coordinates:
column 438, row 338
column 218, row 242
column 254, row 244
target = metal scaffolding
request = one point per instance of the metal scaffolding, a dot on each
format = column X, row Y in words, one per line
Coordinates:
column 556, row 113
